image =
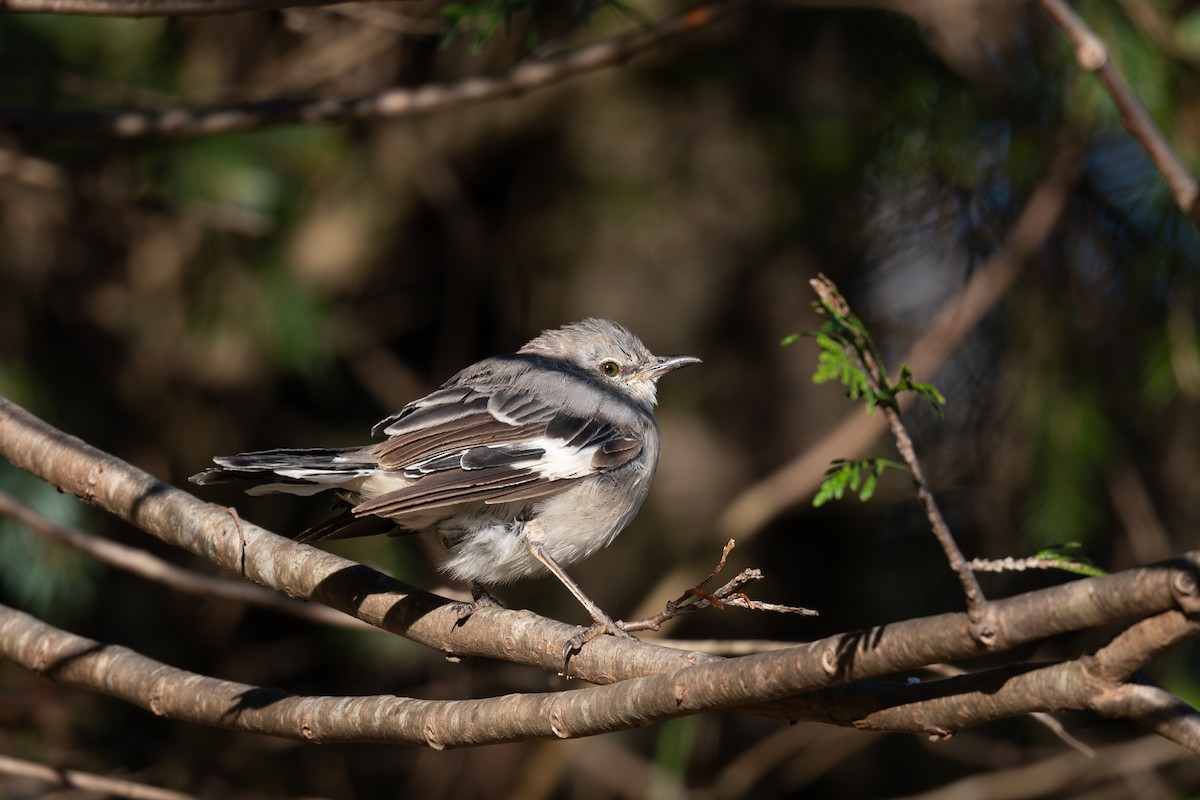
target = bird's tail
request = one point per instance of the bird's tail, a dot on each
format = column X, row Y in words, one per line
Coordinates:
column 302, row 472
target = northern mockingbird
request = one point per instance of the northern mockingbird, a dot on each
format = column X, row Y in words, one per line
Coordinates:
column 520, row 464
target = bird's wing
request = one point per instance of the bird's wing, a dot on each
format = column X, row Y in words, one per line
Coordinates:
column 461, row 445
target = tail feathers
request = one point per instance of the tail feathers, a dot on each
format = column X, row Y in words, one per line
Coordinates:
column 302, row 472
column 345, row 525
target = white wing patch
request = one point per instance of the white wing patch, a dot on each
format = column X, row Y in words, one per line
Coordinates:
column 546, row 457
column 561, row 460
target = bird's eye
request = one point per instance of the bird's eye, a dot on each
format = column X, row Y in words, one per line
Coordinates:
column 610, row 368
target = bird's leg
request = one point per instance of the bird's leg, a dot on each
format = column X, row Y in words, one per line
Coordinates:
column 603, row 622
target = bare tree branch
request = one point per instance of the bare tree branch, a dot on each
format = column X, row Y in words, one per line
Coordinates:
column 1095, row 682
column 676, row 683
column 299, row 570
column 86, row 781
column 1092, row 55
column 939, row 708
column 152, row 568
column 1156, row 709
column 1044, row 719
column 1050, row 777
column 390, row 104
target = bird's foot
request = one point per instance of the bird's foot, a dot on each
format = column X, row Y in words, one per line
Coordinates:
column 600, row 628
column 480, row 598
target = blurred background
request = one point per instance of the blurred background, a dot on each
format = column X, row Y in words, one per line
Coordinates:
column 167, row 300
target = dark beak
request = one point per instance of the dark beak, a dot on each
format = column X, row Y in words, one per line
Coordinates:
column 666, row 364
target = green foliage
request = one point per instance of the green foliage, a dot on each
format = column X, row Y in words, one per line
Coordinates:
column 1069, row 557
column 926, row 391
column 1187, row 32
column 295, row 324
column 860, row 475
column 674, row 747
column 480, row 20
column 1074, row 447
column 835, row 363
column 849, row 356
column 43, row 578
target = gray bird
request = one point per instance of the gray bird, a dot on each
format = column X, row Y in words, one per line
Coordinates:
column 520, row 464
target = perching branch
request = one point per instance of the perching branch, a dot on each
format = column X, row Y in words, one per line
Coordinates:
column 656, row 683
column 390, row 104
column 939, row 708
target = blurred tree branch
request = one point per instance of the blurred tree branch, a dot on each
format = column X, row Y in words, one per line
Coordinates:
column 646, row 683
column 1046, row 776
column 85, row 781
column 390, row 104
column 1092, row 55
column 152, row 568
column 154, row 8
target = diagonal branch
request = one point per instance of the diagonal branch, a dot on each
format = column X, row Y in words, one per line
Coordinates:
column 1092, row 55
column 1095, row 682
column 58, row 778
column 390, row 104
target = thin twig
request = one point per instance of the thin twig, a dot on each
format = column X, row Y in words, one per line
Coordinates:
column 152, row 568
column 731, row 594
column 834, row 305
column 390, row 104
column 1092, row 56
column 1010, row 564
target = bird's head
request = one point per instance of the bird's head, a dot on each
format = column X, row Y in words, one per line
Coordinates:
column 611, row 354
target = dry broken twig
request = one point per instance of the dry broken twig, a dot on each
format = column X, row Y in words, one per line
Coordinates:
column 731, row 594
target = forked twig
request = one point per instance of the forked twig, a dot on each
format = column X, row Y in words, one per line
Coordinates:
column 731, row 594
